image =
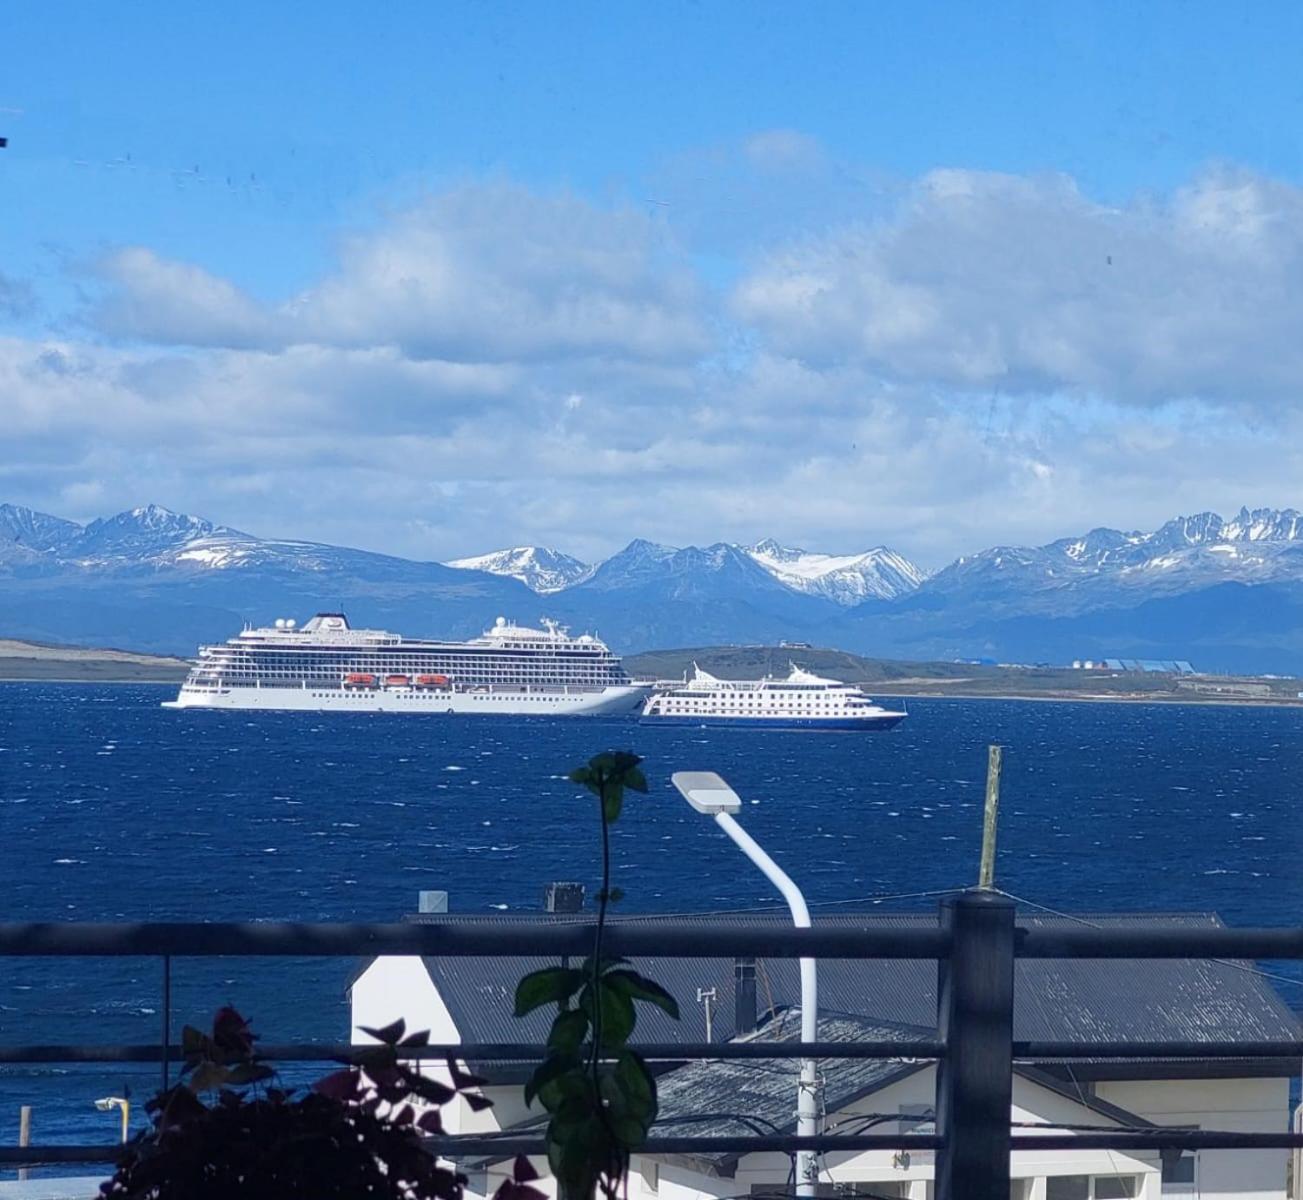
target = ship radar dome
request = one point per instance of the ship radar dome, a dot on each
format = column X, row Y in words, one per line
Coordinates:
column 500, row 622
column 280, row 622
column 290, row 622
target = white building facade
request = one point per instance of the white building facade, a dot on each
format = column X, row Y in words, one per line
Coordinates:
column 470, row 1001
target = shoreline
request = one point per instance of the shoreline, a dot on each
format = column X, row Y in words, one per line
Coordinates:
column 1096, row 698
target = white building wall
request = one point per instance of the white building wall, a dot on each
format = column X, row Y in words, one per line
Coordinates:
column 394, row 987
column 1240, row 1105
column 400, row 986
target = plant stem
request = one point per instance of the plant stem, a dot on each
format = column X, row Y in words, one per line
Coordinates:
column 602, row 898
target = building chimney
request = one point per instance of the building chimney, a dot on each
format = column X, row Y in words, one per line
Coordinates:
column 744, row 996
column 432, row 902
column 563, row 897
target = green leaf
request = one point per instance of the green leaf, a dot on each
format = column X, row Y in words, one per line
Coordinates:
column 635, row 779
column 568, row 1030
column 639, row 987
column 586, row 777
column 550, row 985
column 549, row 1070
column 612, row 799
column 637, row 1083
column 564, row 1089
column 618, row 1017
column 630, row 1131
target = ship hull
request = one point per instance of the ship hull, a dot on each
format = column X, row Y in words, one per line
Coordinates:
column 612, row 701
column 874, row 724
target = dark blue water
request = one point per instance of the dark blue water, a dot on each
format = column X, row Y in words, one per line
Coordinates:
column 112, row 808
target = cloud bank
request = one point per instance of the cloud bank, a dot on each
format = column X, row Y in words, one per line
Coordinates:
column 987, row 358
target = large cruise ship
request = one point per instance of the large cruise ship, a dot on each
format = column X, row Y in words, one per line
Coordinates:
column 801, row 701
column 327, row 665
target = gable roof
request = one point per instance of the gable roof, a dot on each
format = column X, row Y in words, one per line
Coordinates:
column 1074, row 1000
column 738, row 1097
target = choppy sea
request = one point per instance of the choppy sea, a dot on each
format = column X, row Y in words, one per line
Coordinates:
column 112, row 808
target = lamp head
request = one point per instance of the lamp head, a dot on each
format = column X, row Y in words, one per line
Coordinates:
column 706, row 792
column 106, row 1104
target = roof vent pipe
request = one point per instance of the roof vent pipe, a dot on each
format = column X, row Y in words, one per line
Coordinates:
column 744, row 996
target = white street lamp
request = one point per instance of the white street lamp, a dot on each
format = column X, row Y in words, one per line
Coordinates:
column 109, row 1103
column 709, row 794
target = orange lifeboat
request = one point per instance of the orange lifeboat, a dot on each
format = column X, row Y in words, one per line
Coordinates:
column 396, row 681
column 432, row 681
column 359, row 680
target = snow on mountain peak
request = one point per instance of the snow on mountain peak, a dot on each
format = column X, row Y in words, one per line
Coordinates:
column 539, row 568
column 847, row 579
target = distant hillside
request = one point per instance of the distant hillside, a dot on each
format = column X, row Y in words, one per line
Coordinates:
column 902, row 678
column 38, row 660
column 750, row 662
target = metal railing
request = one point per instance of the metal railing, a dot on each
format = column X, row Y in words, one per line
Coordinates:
column 975, row 944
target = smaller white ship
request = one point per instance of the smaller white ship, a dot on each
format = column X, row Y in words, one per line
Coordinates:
column 801, row 701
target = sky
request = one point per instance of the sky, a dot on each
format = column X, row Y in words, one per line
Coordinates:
column 438, row 278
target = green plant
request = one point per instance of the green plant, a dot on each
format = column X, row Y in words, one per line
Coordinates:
column 598, row 1092
column 356, row 1133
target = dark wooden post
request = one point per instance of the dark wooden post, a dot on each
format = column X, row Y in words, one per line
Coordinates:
column 975, row 1020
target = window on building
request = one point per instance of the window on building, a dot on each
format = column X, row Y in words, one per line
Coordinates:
column 1178, row 1174
column 1067, row 1187
column 1116, row 1187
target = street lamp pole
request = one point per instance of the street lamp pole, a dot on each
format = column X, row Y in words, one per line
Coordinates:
column 709, row 794
column 123, row 1103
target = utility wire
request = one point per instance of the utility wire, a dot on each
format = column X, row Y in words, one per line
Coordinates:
column 1225, row 962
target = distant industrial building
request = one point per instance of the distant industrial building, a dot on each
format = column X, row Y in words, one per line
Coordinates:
column 1153, row 666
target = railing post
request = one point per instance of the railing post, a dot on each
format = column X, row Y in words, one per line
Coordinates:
column 975, row 1020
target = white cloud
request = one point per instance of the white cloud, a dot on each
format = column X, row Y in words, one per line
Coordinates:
column 496, row 366
column 478, row 273
column 983, row 281
column 155, row 299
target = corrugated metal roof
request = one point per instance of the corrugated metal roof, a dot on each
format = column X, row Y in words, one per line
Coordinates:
column 701, row 1097
column 1077, row 1000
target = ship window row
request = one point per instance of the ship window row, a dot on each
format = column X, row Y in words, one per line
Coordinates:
column 422, row 664
column 486, row 653
column 735, row 705
column 463, row 676
column 457, row 671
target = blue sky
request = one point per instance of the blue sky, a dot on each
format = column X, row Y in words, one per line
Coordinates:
column 653, row 191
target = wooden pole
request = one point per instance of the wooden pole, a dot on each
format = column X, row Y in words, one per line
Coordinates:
column 990, row 818
column 24, row 1133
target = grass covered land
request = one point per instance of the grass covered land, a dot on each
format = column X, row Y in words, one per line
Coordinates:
column 885, row 677
column 38, row 660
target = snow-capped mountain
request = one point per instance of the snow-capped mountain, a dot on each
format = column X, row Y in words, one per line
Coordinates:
column 540, row 569
column 147, row 534
column 847, row 579
column 1259, row 546
column 1225, row 593
column 29, row 536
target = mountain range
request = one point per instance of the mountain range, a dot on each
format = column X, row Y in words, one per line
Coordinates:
column 1226, row 594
